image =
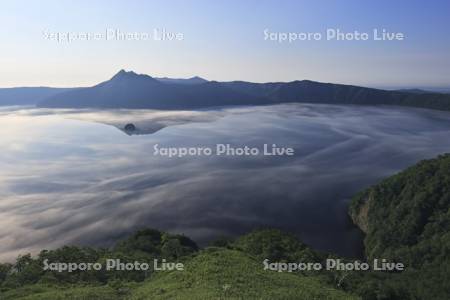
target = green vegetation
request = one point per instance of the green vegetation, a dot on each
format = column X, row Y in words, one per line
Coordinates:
column 219, row 273
column 232, row 271
column 144, row 246
column 46, row 292
column 406, row 218
column 276, row 246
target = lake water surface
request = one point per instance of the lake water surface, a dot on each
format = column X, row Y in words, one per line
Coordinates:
column 73, row 177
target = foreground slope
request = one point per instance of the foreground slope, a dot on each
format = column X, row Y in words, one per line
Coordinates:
column 230, row 271
column 218, row 273
column 215, row 273
column 406, row 218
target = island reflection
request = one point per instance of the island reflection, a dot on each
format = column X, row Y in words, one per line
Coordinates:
column 69, row 176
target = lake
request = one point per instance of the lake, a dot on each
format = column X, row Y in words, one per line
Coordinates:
column 76, row 177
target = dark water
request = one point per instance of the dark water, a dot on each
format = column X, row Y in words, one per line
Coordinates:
column 73, row 177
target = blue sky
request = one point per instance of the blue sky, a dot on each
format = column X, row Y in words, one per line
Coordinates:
column 225, row 41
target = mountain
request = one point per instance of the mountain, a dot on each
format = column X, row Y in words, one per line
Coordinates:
column 131, row 90
column 27, row 95
column 415, row 91
column 307, row 91
column 192, row 80
column 406, row 218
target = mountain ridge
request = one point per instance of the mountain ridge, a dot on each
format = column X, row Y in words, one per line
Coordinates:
column 131, row 90
column 191, row 80
column 127, row 89
column 28, row 95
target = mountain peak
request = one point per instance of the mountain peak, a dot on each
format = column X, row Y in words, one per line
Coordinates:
column 122, row 74
column 198, row 78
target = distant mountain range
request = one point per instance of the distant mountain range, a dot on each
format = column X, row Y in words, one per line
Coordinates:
column 192, row 80
column 27, row 95
column 131, row 90
column 426, row 90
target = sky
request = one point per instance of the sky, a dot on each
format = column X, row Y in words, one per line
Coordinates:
column 225, row 40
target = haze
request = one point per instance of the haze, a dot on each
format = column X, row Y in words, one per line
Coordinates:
column 225, row 41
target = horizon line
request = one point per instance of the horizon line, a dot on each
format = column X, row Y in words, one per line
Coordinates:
column 374, row 86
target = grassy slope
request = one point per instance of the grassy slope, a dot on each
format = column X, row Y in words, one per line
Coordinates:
column 219, row 273
column 38, row 292
column 215, row 273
